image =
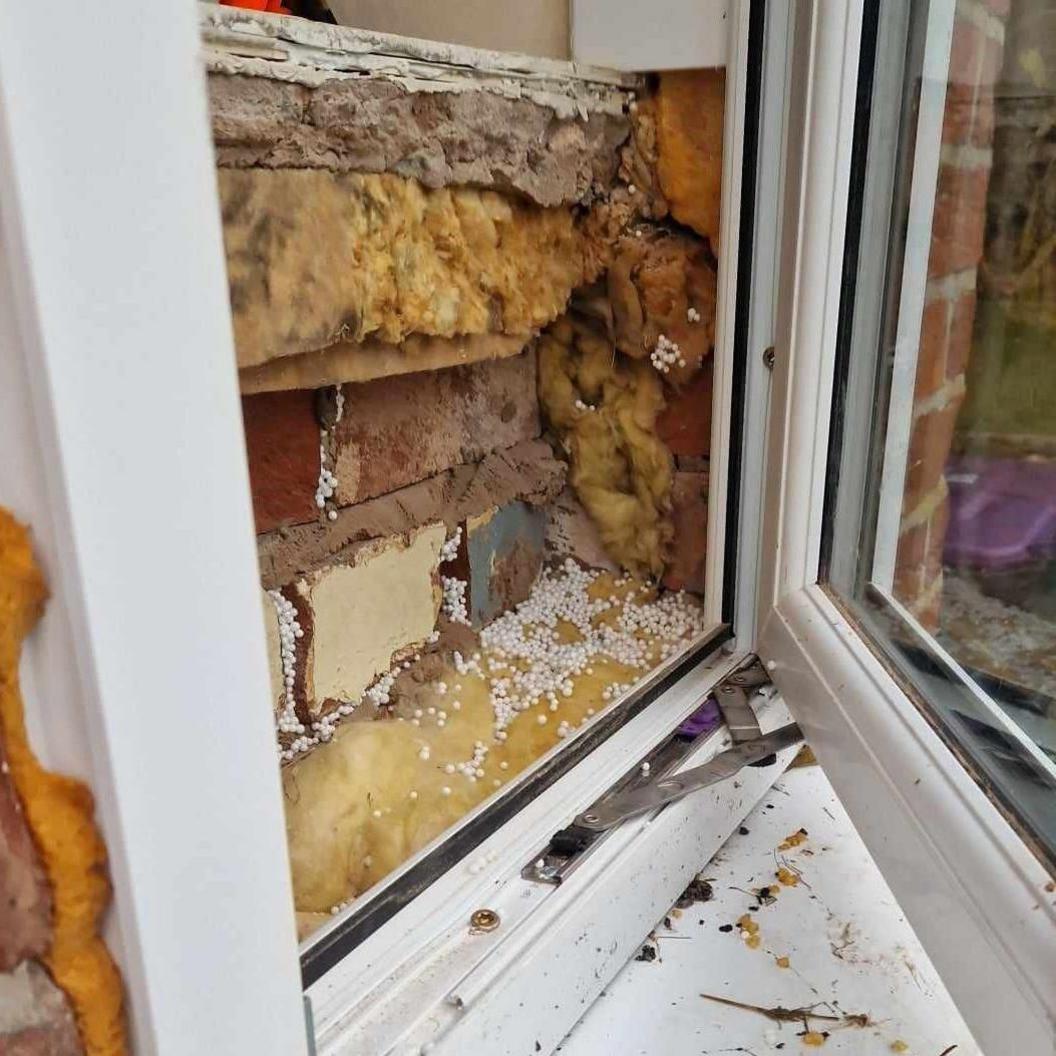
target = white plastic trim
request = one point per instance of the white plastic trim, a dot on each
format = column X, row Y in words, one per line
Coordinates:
column 822, row 98
column 663, row 35
column 120, row 427
column 762, row 305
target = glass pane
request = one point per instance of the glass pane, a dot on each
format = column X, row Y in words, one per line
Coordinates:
column 944, row 539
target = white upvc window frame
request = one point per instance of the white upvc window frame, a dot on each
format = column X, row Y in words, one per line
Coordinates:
column 964, row 877
column 119, row 411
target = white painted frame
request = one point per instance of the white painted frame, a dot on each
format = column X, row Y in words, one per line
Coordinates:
column 662, row 35
column 122, row 445
column 967, row 882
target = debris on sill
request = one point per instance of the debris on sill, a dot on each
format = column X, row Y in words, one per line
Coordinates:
column 699, row 890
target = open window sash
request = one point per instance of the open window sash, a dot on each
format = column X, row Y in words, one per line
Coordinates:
column 965, row 869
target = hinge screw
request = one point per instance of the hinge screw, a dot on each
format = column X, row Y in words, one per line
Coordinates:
column 768, row 358
column 484, row 920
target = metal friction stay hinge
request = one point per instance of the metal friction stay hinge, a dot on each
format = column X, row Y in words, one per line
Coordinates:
column 653, row 782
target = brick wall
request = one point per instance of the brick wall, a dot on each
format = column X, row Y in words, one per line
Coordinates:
column 958, row 230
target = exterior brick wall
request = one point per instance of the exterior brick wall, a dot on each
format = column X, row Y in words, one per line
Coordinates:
column 957, row 239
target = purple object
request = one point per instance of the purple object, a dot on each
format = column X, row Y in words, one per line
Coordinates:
column 1002, row 512
column 705, row 719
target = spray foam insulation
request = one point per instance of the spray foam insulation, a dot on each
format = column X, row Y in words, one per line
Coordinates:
column 603, row 407
column 315, row 257
column 59, row 811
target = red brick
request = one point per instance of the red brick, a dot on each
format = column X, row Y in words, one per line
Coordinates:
column 25, row 899
column 975, row 57
column 685, row 423
column 937, row 525
column 929, row 448
column 959, row 220
column 908, row 584
column 928, row 613
column 993, row 60
column 959, row 343
column 689, row 512
column 282, row 446
column 931, row 356
column 966, row 52
column 969, row 115
column 912, row 547
column 399, row 430
column 919, row 559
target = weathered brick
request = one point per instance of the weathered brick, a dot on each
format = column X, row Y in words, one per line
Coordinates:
column 927, row 605
column 929, row 448
column 966, row 53
column 504, row 550
column 931, row 355
column 376, row 604
column 912, row 547
column 35, row 1016
column 975, row 56
column 529, row 471
column 968, row 119
column 396, row 431
column 959, row 343
column 689, row 513
column 959, row 219
column 918, row 560
column 282, row 446
column 993, row 59
column 685, row 423
column 937, row 526
column 908, row 584
column 25, row 902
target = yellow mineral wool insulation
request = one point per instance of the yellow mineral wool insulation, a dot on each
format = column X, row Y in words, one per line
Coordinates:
column 690, row 111
column 348, row 361
column 316, row 257
column 604, row 409
column 59, row 813
column 661, row 286
column 360, row 805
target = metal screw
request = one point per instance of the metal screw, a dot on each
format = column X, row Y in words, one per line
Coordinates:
column 768, row 358
column 484, row 920
column 590, row 819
